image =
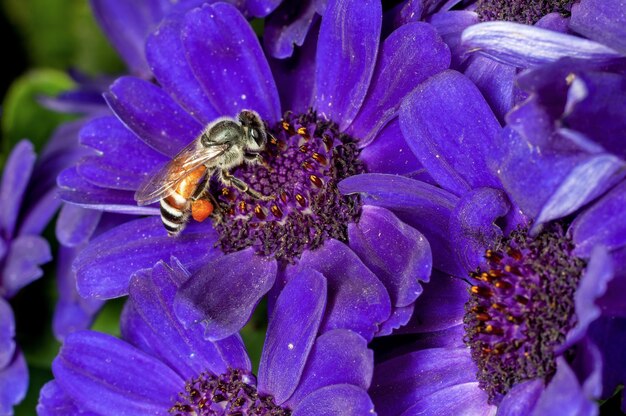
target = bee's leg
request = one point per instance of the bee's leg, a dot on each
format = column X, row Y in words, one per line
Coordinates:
column 243, row 187
column 258, row 159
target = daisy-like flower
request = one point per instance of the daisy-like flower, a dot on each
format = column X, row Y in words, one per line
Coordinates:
column 161, row 368
column 209, row 63
column 28, row 200
column 530, row 333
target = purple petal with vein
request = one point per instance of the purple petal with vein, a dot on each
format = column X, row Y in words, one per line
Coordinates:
column 452, row 131
column 288, row 26
column 357, row 300
column 336, row 400
column 338, row 357
column 13, row 383
column 410, row 55
column 227, row 59
column 524, row 46
column 291, row 332
column 7, row 333
column 152, row 115
column 108, row 376
column 398, row 254
column 15, row 177
column 601, row 20
column 103, row 269
column 224, row 292
column 21, row 265
column 346, row 55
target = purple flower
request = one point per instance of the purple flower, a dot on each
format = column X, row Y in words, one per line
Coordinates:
column 208, row 63
column 535, row 325
column 27, row 206
column 162, row 368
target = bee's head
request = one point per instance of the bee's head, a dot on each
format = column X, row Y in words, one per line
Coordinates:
column 254, row 129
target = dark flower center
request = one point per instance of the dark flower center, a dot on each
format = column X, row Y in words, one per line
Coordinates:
column 305, row 160
column 521, row 308
column 233, row 393
column 521, row 11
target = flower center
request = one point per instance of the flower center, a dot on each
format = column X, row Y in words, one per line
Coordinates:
column 305, row 160
column 521, row 11
column 521, row 308
column 232, row 393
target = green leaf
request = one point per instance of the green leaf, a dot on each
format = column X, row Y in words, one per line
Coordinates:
column 23, row 117
column 62, row 34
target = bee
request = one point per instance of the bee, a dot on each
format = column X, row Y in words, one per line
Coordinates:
column 181, row 186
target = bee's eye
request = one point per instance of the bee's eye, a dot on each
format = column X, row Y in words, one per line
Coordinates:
column 256, row 135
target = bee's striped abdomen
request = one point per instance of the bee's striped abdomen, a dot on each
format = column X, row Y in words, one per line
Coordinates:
column 174, row 213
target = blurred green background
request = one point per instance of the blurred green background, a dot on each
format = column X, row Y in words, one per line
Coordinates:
column 45, row 39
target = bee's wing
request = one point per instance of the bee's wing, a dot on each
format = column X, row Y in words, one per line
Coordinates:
column 165, row 180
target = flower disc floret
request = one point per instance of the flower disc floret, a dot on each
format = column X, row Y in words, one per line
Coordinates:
column 521, row 11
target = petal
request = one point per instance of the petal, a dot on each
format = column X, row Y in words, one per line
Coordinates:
column 473, row 226
column 338, row 357
column 423, row 206
column 400, row 316
column 561, row 182
column 525, row 46
column 522, row 398
column 389, row 153
column 291, row 332
column 441, row 306
column 152, row 115
column 336, row 400
column 601, row 20
column 463, row 399
column 103, row 269
column 450, row 26
column 15, row 177
column 564, row 393
column 122, row 162
column 75, row 189
column 602, row 224
column 295, row 76
column 72, row 312
column 592, row 286
column 21, row 265
column 398, row 254
column 400, row 382
column 13, row 383
column 227, row 59
column 186, row 351
column 346, row 55
column 357, row 300
column 53, row 402
column 612, row 303
column 261, row 8
column 410, row 55
column 7, row 333
column 108, row 376
column 495, row 81
column 224, row 293
column 126, row 25
column 452, row 131
column 75, row 225
column 609, row 335
column 37, row 217
column 166, row 55
column 288, row 26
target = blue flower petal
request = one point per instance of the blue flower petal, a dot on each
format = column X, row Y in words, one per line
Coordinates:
column 336, row 400
column 410, row 55
column 291, row 332
column 152, row 115
column 601, row 20
column 75, row 225
column 452, row 131
column 495, row 81
column 22, row 263
column 227, row 59
column 13, row 383
column 398, row 254
column 465, row 398
column 346, row 55
column 522, row 398
column 357, row 300
column 166, row 56
column 15, row 177
column 524, row 46
column 288, row 27
column 450, row 26
column 53, row 402
column 338, row 357
column 108, row 376
column 423, row 206
column 7, row 333
column 104, row 268
column 224, row 292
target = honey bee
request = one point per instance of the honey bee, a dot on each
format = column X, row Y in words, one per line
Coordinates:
column 182, row 184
